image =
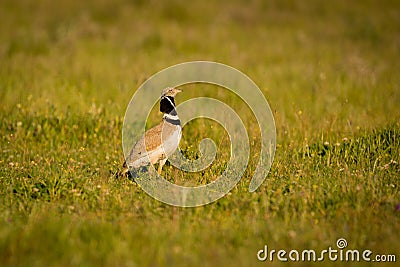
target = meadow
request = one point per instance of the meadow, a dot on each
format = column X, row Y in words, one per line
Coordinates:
column 329, row 70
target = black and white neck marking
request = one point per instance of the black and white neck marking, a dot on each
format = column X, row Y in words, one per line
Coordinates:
column 167, row 106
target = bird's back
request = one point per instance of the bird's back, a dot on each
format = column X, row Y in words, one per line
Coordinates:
column 154, row 145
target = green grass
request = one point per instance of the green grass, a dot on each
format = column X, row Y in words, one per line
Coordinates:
column 68, row 70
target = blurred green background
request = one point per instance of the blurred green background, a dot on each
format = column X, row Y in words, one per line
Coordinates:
column 329, row 70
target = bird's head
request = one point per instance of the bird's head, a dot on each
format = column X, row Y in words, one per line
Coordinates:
column 170, row 91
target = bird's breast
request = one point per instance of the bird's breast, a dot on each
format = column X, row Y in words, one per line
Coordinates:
column 171, row 138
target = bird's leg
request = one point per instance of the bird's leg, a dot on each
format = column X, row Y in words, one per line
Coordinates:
column 160, row 165
column 150, row 169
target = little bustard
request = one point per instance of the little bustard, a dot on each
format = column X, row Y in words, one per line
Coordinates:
column 160, row 141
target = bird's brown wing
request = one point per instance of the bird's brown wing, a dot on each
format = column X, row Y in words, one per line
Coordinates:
column 152, row 139
column 156, row 135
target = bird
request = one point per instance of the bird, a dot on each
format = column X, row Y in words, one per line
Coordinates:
column 157, row 143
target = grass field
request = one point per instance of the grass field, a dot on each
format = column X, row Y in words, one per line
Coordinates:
column 329, row 70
